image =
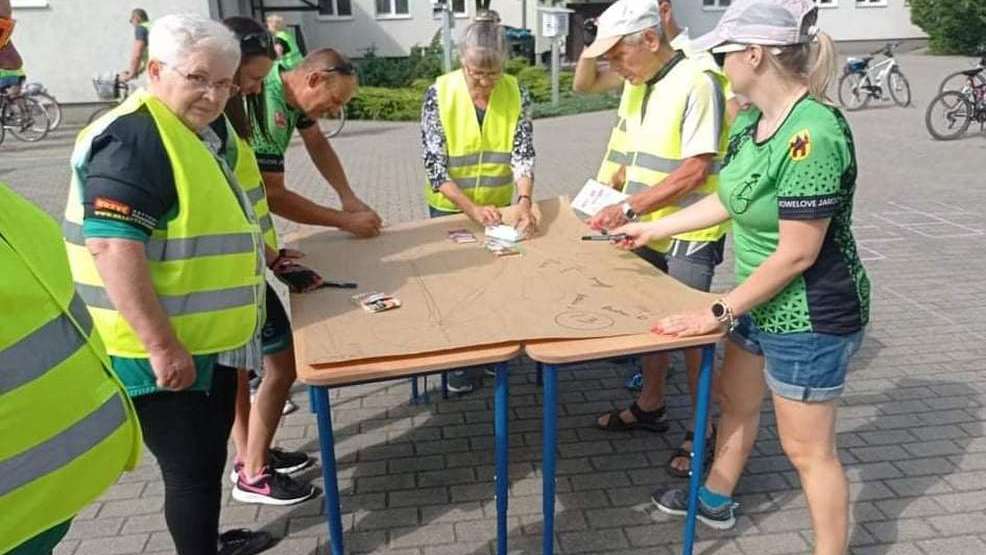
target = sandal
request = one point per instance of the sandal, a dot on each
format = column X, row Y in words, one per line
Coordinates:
column 681, row 453
column 651, row 421
column 244, row 542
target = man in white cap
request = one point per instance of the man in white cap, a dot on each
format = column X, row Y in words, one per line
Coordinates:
column 675, row 136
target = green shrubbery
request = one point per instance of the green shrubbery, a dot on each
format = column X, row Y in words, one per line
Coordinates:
column 953, row 26
column 392, row 89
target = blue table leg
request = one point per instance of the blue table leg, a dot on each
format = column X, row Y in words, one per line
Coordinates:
column 540, row 374
column 698, row 450
column 500, row 409
column 424, row 396
column 414, row 390
column 323, row 412
column 311, row 399
column 550, row 444
column 444, row 385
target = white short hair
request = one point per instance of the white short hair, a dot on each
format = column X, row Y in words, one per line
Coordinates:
column 174, row 37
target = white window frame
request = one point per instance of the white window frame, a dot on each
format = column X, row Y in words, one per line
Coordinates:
column 871, row 3
column 717, row 7
column 336, row 16
column 827, row 4
column 457, row 15
column 28, row 3
column 392, row 14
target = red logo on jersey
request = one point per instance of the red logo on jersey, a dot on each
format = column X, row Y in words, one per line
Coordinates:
column 280, row 119
column 800, row 146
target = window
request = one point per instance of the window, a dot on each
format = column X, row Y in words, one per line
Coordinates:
column 459, row 7
column 715, row 4
column 335, row 9
column 871, row 3
column 827, row 3
column 392, row 8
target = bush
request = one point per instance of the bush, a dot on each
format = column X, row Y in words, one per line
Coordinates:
column 953, row 26
column 424, row 62
column 385, row 104
column 576, row 104
column 538, row 82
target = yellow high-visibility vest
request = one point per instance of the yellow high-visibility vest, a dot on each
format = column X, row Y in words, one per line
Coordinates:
column 206, row 264
column 68, row 427
column 616, row 149
column 655, row 143
column 248, row 174
column 478, row 157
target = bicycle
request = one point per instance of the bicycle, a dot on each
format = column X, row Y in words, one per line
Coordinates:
column 959, row 80
column 959, row 108
column 861, row 83
column 23, row 116
column 335, row 123
column 38, row 92
column 115, row 90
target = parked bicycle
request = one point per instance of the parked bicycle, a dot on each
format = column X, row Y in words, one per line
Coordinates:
column 114, row 89
column 956, row 81
column 38, row 92
column 23, row 116
column 861, row 83
column 952, row 112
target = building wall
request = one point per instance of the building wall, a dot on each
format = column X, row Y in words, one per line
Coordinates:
column 845, row 20
column 65, row 43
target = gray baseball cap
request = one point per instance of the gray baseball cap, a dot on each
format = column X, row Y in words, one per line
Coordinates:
column 624, row 17
column 764, row 22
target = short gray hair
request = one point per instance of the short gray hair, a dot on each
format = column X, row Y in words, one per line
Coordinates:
column 638, row 37
column 485, row 42
column 173, row 37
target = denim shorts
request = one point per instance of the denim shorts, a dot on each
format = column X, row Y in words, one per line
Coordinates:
column 690, row 262
column 808, row 367
column 275, row 336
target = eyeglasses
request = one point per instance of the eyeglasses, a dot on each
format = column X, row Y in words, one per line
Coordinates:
column 342, row 69
column 482, row 75
column 201, row 83
column 257, row 43
column 719, row 52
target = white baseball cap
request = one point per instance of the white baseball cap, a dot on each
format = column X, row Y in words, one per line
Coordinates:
column 763, row 22
column 624, row 17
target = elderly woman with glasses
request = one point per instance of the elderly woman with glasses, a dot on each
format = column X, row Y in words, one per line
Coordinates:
column 166, row 251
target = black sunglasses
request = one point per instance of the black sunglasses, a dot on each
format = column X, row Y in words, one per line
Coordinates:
column 342, row 69
column 720, row 58
column 257, row 43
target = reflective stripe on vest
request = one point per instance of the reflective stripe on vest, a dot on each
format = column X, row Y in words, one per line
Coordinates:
column 478, row 156
column 248, row 174
column 616, row 149
column 205, row 263
column 655, row 143
column 68, row 428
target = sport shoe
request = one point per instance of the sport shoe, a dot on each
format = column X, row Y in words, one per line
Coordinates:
column 289, row 407
column 459, row 382
column 244, row 542
column 675, row 502
column 272, row 488
column 287, row 462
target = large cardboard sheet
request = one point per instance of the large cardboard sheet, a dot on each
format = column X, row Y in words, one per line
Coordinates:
column 461, row 295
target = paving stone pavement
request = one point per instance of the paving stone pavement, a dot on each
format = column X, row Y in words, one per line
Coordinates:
column 419, row 479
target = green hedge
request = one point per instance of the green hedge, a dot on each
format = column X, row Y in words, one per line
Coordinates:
column 953, row 26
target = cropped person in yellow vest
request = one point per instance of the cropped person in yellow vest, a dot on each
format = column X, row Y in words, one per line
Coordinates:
column 166, row 252
column 478, row 141
column 676, row 132
column 138, row 53
column 68, row 427
column 590, row 77
column 261, row 474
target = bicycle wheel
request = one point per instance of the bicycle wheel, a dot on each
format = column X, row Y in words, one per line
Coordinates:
column 99, row 111
column 334, row 124
column 958, row 81
column 29, row 121
column 53, row 108
column 852, row 95
column 900, row 89
column 948, row 116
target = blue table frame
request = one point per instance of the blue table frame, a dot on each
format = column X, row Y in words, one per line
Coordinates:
column 552, row 355
column 320, row 380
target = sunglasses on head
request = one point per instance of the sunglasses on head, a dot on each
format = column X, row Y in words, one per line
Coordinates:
column 257, row 43
column 342, row 69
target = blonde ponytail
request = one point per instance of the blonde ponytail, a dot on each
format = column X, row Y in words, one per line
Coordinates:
column 823, row 67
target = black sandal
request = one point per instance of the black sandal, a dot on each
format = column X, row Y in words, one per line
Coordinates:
column 681, row 453
column 651, row 421
column 244, row 542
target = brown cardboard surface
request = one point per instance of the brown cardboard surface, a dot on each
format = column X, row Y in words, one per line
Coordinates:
column 461, row 295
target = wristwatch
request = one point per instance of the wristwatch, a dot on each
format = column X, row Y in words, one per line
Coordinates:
column 628, row 212
column 724, row 314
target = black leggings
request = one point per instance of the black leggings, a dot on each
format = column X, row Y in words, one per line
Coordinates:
column 187, row 432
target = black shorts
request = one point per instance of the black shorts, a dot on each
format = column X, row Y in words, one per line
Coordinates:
column 276, row 333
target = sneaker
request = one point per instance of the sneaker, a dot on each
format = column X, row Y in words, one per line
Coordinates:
column 675, row 502
column 244, row 542
column 272, row 488
column 288, row 462
column 635, row 382
column 289, row 407
column 459, row 382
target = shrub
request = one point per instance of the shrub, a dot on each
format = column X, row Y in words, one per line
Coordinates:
column 953, row 26
column 424, row 62
column 385, row 104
